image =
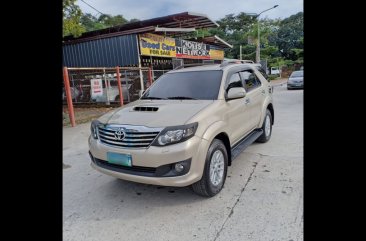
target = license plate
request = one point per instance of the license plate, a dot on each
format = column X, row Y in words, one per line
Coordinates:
column 119, row 159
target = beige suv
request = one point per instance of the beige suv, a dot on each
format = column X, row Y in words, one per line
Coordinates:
column 186, row 129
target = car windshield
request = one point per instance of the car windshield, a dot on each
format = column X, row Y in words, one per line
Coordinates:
column 297, row 74
column 202, row 85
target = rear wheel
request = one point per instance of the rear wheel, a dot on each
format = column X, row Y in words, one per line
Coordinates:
column 266, row 127
column 215, row 170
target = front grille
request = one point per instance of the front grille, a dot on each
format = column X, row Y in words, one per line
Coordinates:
column 132, row 138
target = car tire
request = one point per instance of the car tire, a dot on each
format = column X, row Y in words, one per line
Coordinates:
column 214, row 172
column 266, row 127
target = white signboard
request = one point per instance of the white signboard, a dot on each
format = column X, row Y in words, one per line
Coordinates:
column 96, row 87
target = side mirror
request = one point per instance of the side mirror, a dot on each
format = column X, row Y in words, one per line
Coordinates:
column 236, row 93
column 141, row 93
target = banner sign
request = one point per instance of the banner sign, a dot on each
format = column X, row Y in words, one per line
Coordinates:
column 156, row 45
column 192, row 50
column 96, row 87
column 216, row 54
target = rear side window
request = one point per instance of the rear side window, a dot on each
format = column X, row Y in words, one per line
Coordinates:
column 250, row 80
column 261, row 70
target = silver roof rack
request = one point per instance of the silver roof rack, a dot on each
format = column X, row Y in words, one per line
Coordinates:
column 191, row 65
column 237, row 61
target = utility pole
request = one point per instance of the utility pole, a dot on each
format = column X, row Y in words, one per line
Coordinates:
column 258, row 50
column 240, row 53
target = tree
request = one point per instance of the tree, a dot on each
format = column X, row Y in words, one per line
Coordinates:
column 134, row 20
column 233, row 28
column 111, row 21
column 281, row 40
column 91, row 23
column 290, row 35
column 71, row 19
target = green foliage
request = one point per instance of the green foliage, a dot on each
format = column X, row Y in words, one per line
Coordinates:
column 281, row 40
column 291, row 36
column 71, row 19
column 111, row 21
column 75, row 22
column 134, row 20
column 92, row 23
column 272, row 76
column 233, row 28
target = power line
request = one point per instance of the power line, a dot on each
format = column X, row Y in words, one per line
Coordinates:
column 92, row 7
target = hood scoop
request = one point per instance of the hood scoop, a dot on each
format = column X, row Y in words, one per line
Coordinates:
column 146, row 108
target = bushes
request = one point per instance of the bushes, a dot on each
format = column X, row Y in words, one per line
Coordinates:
column 272, row 76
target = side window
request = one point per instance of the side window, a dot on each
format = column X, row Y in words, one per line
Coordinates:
column 263, row 72
column 234, row 81
column 250, row 80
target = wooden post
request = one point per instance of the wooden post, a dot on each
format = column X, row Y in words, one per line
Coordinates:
column 68, row 97
column 120, row 86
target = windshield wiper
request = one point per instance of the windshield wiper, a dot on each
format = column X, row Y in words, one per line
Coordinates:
column 152, row 98
column 181, row 98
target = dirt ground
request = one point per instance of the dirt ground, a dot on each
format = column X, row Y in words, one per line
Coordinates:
column 83, row 115
column 278, row 81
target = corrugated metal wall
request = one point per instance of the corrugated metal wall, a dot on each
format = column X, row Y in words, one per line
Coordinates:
column 108, row 52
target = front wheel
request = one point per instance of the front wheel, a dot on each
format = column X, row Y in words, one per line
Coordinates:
column 266, row 127
column 214, row 173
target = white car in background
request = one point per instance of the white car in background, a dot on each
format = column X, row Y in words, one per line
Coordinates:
column 275, row 70
column 75, row 93
column 113, row 92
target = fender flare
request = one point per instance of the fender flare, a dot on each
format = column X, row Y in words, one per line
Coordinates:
column 267, row 102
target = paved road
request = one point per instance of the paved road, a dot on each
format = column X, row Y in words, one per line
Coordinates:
column 262, row 198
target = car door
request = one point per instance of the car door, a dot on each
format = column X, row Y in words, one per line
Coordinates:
column 235, row 114
column 253, row 99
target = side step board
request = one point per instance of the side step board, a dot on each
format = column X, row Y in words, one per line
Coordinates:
column 244, row 143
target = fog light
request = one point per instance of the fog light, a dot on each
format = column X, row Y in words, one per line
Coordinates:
column 179, row 167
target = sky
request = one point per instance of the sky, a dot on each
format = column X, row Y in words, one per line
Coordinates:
column 214, row 9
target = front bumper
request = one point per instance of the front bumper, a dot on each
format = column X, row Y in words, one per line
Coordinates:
column 146, row 162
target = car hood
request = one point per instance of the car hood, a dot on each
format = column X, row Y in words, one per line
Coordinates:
column 168, row 113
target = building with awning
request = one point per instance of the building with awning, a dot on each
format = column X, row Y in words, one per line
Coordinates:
column 161, row 43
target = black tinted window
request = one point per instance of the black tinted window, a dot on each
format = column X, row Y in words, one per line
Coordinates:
column 234, row 81
column 203, row 85
column 250, row 80
column 261, row 70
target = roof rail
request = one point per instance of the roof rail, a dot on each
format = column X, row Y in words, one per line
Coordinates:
column 225, row 63
column 191, row 65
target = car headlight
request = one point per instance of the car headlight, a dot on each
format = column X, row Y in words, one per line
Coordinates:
column 175, row 134
column 94, row 129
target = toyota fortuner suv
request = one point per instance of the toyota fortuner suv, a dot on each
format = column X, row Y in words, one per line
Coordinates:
column 186, row 129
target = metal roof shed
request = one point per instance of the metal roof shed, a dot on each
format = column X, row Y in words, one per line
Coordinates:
column 118, row 46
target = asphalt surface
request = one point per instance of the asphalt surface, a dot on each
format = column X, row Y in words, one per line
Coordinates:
column 262, row 198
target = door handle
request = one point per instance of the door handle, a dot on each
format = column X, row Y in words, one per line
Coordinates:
column 263, row 91
column 247, row 101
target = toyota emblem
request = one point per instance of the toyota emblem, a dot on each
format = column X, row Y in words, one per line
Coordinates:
column 119, row 134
